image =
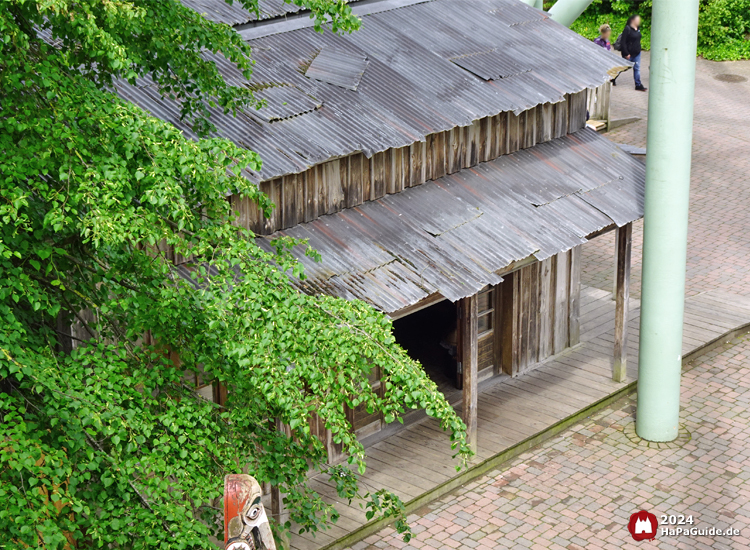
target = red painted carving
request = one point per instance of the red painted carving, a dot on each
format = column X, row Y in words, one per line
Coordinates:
column 245, row 522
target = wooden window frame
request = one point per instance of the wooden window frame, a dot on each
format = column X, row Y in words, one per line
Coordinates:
column 489, row 312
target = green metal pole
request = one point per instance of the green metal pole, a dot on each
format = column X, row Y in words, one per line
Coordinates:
column 566, row 12
column 539, row 4
column 531, row 3
column 674, row 31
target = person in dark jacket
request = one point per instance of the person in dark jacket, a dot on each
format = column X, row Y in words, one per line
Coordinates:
column 631, row 47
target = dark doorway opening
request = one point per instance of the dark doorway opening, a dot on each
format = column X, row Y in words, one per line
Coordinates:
column 429, row 336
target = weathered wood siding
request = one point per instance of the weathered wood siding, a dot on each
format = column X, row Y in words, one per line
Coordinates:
column 362, row 422
column 365, row 423
column 539, row 311
column 530, row 316
column 597, row 100
column 349, row 181
column 486, row 353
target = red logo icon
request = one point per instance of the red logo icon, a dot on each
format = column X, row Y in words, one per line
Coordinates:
column 643, row 525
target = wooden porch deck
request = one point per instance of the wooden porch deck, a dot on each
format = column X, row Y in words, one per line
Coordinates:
column 416, row 459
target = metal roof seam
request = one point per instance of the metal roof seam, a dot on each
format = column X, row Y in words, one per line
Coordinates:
column 410, row 87
column 441, row 245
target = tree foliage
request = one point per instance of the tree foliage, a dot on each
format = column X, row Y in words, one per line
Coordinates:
column 724, row 30
column 723, row 25
column 102, row 440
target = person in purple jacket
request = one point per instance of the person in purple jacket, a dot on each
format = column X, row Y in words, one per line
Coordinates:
column 605, row 31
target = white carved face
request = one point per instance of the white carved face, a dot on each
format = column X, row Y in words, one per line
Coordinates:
column 250, row 530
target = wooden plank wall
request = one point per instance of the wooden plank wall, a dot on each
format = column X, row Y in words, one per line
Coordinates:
column 597, row 100
column 349, row 181
column 469, row 354
column 539, row 311
column 536, row 312
column 318, row 429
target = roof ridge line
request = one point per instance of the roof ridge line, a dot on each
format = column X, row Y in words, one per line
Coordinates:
column 301, row 20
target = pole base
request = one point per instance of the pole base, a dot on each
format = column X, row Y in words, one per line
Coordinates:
column 655, row 434
column 683, row 437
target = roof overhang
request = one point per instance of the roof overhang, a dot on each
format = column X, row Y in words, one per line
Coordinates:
column 453, row 236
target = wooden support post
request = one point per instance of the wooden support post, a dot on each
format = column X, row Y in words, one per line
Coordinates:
column 510, row 323
column 281, row 515
column 614, row 279
column 498, row 333
column 623, row 238
column 561, row 297
column 278, row 510
column 469, row 365
column 574, row 297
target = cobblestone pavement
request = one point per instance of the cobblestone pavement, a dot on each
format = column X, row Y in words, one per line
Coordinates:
column 578, row 490
column 719, row 230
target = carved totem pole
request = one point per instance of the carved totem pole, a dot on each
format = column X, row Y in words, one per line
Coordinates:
column 245, row 523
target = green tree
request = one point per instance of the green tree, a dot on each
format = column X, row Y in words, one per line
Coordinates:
column 102, row 442
column 724, row 30
column 723, row 25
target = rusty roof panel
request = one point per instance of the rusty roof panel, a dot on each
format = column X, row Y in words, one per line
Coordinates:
column 338, row 67
column 283, row 102
column 454, row 234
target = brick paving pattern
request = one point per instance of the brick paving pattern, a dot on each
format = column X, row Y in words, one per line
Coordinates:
column 578, row 490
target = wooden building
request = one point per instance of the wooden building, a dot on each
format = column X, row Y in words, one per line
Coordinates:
column 439, row 161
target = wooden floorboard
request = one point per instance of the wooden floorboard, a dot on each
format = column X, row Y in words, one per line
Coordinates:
column 565, row 380
column 711, row 301
column 596, row 310
column 380, row 474
column 420, row 454
column 595, row 372
column 418, row 457
column 606, row 323
column 596, row 366
column 530, row 394
column 421, row 475
column 598, row 383
column 725, row 297
column 698, row 312
column 498, row 402
column 522, row 425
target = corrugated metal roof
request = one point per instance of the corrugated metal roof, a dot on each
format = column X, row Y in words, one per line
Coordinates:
column 410, row 88
column 491, row 65
column 515, row 14
column 283, row 102
column 338, row 67
column 220, row 11
column 632, row 149
column 452, row 235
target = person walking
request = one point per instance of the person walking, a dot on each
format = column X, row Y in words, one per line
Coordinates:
column 631, row 48
column 605, row 31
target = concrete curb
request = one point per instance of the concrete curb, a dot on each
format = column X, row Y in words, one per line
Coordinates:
column 497, row 460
